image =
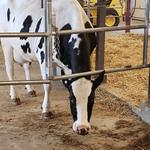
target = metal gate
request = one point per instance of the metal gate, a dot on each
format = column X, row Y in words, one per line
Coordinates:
column 49, row 32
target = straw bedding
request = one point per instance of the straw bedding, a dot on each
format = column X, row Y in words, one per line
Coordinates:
column 126, row 50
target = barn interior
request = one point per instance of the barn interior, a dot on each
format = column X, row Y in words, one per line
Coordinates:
column 114, row 124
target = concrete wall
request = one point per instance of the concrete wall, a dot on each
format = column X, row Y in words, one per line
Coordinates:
column 139, row 13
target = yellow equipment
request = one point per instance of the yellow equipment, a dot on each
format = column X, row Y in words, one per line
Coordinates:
column 114, row 12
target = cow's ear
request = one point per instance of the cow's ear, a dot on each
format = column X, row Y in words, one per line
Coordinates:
column 98, row 80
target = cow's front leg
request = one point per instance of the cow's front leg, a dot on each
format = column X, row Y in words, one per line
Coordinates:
column 9, row 64
column 30, row 91
column 46, row 114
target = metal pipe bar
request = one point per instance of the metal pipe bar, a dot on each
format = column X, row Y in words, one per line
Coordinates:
column 88, row 8
column 44, row 34
column 95, row 7
column 24, row 82
column 107, row 71
column 146, row 31
column 127, row 69
column 149, row 88
column 138, row 18
column 142, row 8
column 145, row 48
column 106, row 17
column 47, row 45
column 50, row 22
column 106, row 29
column 18, row 34
column 128, row 14
column 101, row 17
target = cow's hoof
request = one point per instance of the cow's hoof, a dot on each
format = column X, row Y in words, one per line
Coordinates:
column 32, row 93
column 48, row 115
column 81, row 130
column 16, row 101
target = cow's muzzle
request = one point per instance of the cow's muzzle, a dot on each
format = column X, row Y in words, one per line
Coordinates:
column 81, row 129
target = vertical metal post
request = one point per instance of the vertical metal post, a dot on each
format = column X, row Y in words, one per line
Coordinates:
column 146, row 31
column 50, row 18
column 145, row 51
column 101, row 16
column 88, row 8
column 48, row 40
column 149, row 88
column 128, row 14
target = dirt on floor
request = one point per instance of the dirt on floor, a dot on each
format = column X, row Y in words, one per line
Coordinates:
column 114, row 126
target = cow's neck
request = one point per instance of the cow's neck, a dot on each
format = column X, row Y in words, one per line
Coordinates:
column 75, row 54
column 80, row 61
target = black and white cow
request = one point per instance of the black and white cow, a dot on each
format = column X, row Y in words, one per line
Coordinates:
column 75, row 50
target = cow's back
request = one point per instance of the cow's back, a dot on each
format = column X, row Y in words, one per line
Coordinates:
column 21, row 16
column 71, row 12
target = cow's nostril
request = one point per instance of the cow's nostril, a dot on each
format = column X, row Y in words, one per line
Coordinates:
column 82, row 131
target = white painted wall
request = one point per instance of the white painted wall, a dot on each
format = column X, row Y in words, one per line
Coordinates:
column 139, row 13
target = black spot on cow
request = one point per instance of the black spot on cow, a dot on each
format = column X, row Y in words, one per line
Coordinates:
column 38, row 25
column 91, row 37
column 8, row 14
column 72, row 98
column 26, row 26
column 26, row 48
column 42, row 57
column 64, row 40
column 42, row 4
column 14, row 19
column 41, row 43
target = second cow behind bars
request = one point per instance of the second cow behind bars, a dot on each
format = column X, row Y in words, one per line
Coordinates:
column 75, row 50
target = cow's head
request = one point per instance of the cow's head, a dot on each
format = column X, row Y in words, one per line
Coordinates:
column 82, row 94
column 75, row 50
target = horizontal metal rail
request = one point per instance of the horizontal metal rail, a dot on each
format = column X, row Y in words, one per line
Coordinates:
column 89, row 30
column 92, row 7
column 115, row 7
column 107, row 71
column 106, row 29
column 25, row 34
column 142, row 8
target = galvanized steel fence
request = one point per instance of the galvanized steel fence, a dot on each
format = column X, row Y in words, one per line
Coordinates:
column 49, row 32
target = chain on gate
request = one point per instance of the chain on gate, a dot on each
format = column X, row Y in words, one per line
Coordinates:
column 56, row 54
column 56, row 48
